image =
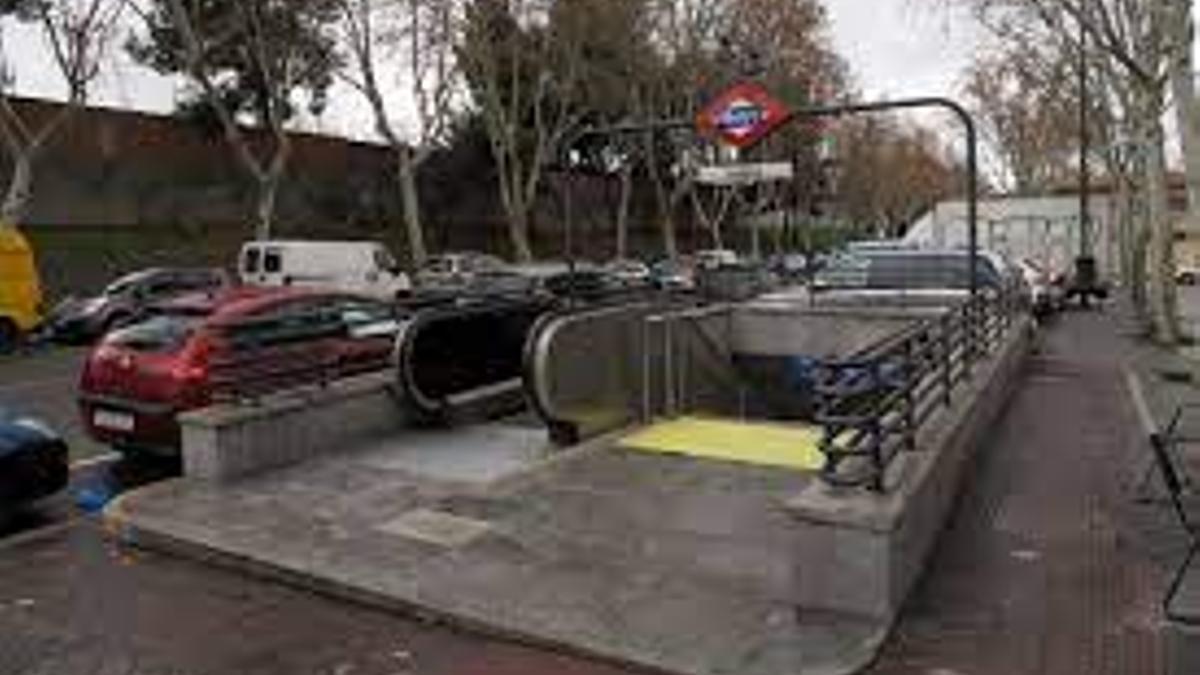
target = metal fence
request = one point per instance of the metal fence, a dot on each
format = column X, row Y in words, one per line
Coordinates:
column 871, row 408
column 257, row 357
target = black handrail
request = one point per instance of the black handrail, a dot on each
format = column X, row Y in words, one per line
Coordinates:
column 871, row 407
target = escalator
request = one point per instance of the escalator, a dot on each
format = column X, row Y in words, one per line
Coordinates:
column 466, row 360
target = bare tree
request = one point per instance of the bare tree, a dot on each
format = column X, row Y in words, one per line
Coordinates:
column 1027, row 115
column 522, row 70
column 1187, row 115
column 685, row 32
column 1143, row 43
column 1136, row 46
column 889, row 173
column 79, row 35
column 247, row 58
column 421, row 34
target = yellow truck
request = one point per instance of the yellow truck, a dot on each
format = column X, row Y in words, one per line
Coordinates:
column 20, row 290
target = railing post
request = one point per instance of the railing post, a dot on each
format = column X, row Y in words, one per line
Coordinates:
column 910, row 414
column 970, row 338
column 876, row 452
column 668, row 370
column 646, row 381
column 945, row 340
column 826, row 404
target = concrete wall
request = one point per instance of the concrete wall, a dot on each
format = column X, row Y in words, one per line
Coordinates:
column 779, row 330
column 227, row 441
column 861, row 553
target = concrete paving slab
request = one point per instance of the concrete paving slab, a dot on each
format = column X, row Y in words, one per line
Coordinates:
column 481, row 453
column 436, row 527
column 654, row 561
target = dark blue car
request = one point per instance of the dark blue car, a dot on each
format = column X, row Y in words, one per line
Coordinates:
column 33, row 461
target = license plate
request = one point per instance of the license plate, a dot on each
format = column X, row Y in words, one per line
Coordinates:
column 116, row 421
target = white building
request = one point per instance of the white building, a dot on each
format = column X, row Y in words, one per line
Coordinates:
column 1041, row 228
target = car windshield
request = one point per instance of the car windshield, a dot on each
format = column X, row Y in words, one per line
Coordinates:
column 486, row 263
column 165, row 333
column 125, row 283
column 440, row 265
column 924, row 271
column 384, row 260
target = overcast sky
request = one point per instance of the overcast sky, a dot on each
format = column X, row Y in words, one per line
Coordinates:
column 895, row 48
column 902, row 47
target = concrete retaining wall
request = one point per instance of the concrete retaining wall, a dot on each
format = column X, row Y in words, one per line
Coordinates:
column 776, row 329
column 861, row 553
column 223, row 442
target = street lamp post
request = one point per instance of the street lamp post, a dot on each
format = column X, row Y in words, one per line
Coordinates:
column 1085, row 263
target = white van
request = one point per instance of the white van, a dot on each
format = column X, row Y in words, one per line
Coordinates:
column 716, row 257
column 359, row 266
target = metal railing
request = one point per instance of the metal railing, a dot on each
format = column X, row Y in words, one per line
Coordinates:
column 679, row 332
column 872, row 407
column 262, row 356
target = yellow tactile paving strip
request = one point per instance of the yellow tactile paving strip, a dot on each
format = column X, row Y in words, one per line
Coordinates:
column 760, row 443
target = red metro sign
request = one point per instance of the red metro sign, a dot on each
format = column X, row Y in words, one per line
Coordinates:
column 743, row 115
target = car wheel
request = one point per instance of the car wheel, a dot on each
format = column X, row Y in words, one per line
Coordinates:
column 1187, row 279
column 9, row 336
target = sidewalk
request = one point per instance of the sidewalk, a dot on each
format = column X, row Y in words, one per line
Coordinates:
column 1052, row 567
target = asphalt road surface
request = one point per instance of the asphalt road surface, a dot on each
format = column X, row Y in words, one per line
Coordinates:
column 72, row 603
column 42, row 383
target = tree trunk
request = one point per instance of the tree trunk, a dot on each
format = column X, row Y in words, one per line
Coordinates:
column 666, row 225
column 1187, row 118
column 268, row 191
column 662, row 201
column 516, row 213
column 623, row 211
column 1161, row 266
column 20, row 191
column 1123, row 217
column 1138, row 287
column 755, row 241
column 518, row 236
column 407, row 175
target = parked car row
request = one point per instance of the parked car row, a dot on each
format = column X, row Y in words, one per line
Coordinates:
column 126, row 301
column 916, row 275
column 33, row 462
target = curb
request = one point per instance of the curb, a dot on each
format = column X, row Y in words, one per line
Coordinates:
column 1137, row 394
column 106, row 458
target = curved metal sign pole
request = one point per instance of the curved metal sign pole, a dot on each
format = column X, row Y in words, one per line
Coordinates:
column 839, row 110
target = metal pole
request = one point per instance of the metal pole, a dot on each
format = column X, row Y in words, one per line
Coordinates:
column 1084, row 142
column 972, row 201
column 569, row 227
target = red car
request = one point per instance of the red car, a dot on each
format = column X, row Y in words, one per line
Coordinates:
column 138, row 379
